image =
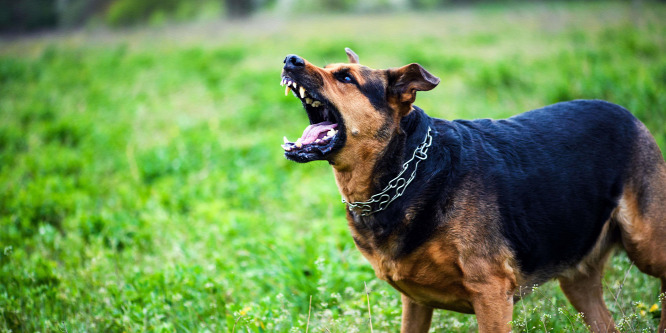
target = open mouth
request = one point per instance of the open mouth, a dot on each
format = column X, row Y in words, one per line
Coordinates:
column 323, row 136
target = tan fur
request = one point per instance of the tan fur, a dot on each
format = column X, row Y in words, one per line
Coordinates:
column 465, row 265
column 353, row 165
column 450, row 272
column 584, row 289
column 644, row 233
column 416, row 317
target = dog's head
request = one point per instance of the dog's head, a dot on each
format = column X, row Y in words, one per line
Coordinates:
column 354, row 110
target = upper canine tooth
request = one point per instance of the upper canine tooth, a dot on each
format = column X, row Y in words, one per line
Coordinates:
column 302, row 91
column 286, row 90
column 285, row 139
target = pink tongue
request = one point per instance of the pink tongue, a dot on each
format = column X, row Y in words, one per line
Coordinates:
column 313, row 132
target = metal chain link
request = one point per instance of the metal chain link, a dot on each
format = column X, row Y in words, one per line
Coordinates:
column 398, row 183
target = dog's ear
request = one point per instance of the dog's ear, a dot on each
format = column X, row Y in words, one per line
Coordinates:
column 405, row 81
column 353, row 58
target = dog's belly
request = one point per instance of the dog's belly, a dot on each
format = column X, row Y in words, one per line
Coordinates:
column 450, row 297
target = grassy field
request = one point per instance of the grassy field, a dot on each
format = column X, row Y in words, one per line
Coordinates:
column 143, row 187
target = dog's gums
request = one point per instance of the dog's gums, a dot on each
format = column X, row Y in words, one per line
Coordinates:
column 321, row 137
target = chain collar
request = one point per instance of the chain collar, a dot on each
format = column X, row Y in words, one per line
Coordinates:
column 399, row 183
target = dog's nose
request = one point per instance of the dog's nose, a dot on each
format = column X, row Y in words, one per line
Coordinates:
column 293, row 61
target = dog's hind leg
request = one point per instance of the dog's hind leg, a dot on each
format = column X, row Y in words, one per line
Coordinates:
column 583, row 287
column 641, row 214
column 644, row 237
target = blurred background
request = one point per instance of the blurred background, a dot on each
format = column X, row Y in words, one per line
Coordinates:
column 36, row 15
column 142, row 183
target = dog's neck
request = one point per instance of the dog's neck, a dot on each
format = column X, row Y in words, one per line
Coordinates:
column 370, row 175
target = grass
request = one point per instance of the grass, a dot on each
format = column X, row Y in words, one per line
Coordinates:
column 143, row 188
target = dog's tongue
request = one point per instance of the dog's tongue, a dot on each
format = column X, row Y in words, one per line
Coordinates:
column 314, row 132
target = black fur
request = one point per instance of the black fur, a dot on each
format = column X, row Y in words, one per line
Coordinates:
column 374, row 89
column 555, row 175
column 427, row 195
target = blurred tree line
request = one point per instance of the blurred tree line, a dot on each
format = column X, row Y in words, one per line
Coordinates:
column 31, row 15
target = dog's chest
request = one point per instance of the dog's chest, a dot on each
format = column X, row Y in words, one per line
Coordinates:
column 429, row 275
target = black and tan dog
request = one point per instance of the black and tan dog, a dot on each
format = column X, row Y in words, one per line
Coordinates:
column 468, row 215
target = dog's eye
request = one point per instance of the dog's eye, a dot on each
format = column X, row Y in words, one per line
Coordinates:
column 345, row 78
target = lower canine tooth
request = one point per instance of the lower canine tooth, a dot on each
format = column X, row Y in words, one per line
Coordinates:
column 287, row 90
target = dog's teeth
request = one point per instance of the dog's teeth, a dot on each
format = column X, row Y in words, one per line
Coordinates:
column 299, row 144
column 294, row 84
column 316, row 104
column 285, row 139
column 286, row 90
column 302, row 91
column 308, row 100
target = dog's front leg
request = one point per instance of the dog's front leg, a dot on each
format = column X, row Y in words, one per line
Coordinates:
column 493, row 307
column 415, row 317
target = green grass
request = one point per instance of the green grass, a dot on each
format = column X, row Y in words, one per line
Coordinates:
column 143, row 187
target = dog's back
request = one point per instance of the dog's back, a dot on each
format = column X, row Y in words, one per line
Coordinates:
column 557, row 174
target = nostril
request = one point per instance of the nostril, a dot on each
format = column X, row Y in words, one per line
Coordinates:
column 293, row 61
column 297, row 61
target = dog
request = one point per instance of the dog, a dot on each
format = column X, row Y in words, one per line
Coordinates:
column 469, row 215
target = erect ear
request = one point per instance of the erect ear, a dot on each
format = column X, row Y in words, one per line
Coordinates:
column 353, row 58
column 405, row 81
